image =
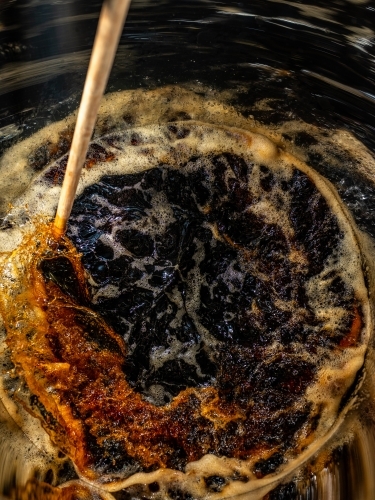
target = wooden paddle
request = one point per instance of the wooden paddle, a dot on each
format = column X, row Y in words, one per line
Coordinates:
column 111, row 22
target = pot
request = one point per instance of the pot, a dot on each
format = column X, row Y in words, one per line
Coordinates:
column 302, row 71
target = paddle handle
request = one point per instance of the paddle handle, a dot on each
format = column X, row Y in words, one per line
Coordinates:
column 111, row 22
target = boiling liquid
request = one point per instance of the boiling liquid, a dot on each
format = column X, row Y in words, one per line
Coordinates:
column 127, row 110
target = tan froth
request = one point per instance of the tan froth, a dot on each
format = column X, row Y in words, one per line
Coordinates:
column 32, row 193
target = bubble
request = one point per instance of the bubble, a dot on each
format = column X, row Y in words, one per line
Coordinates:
column 294, row 274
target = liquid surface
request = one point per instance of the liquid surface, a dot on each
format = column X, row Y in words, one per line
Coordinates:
column 246, row 209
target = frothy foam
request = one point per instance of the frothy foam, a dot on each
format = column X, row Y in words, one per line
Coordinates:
column 159, row 145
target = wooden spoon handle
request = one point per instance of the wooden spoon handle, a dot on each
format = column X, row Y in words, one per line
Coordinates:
column 111, row 22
